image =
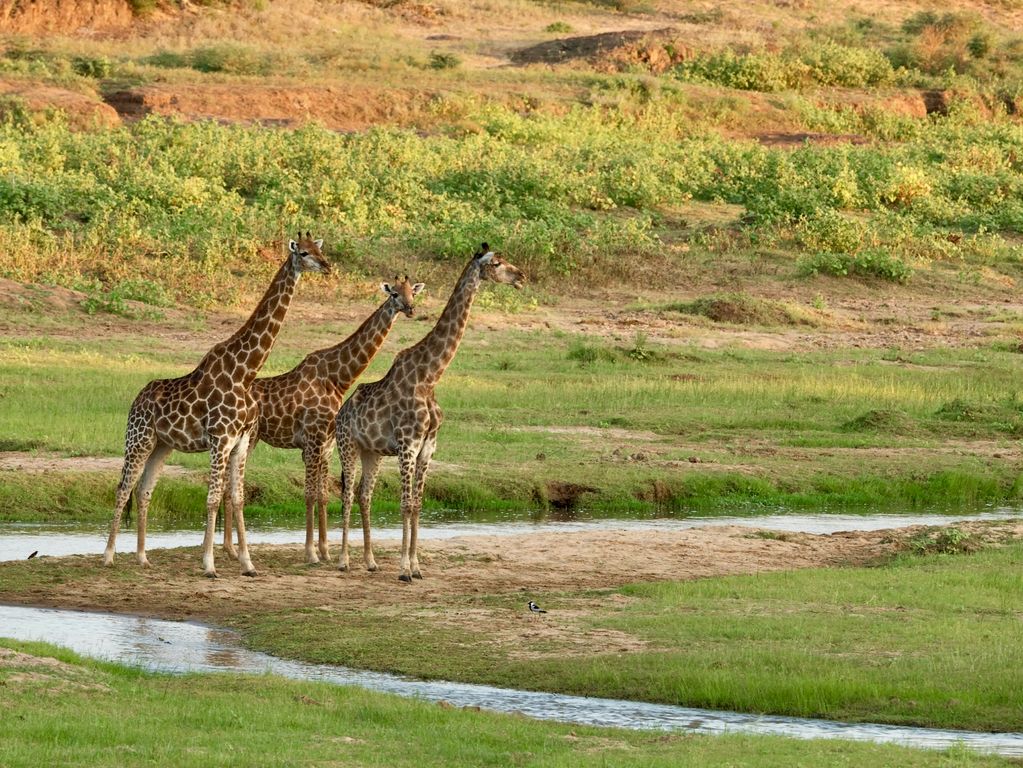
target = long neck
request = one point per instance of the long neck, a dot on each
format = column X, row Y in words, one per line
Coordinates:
column 434, row 353
column 346, row 361
column 247, row 350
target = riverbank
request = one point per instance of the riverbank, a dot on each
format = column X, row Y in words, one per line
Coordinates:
column 857, row 634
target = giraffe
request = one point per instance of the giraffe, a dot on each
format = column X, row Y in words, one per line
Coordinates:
column 297, row 409
column 399, row 416
column 210, row 409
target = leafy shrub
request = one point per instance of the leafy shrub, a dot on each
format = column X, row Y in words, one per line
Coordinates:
column 558, row 26
column 870, row 263
column 829, row 231
column 92, row 66
column 444, row 61
column 945, row 541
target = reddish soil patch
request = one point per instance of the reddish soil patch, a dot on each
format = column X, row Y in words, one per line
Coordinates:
column 82, row 110
column 174, row 588
column 340, row 108
column 39, row 16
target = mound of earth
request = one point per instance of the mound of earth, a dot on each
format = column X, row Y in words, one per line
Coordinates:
column 40, row 16
column 340, row 108
column 82, row 110
column 610, row 49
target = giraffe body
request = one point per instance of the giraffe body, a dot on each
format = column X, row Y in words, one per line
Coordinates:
column 298, row 409
column 210, row 409
column 399, row 415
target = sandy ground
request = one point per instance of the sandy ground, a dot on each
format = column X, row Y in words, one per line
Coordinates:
column 534, row 566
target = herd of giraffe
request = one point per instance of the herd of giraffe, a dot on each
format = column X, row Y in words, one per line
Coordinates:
column 221, row 407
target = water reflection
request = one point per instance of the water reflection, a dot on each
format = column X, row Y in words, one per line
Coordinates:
column 169, row 646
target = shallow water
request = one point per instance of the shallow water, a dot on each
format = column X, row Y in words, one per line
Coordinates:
column 170, row 646
column 18, row 540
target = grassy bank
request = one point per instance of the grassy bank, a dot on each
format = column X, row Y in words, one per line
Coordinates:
column 63, row 710
column 674, row 430
column 925, row 640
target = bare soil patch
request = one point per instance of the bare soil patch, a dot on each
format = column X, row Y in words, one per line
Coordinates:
column 539, row 564
column 36, row 464
column 338, row 107
column 82, row 110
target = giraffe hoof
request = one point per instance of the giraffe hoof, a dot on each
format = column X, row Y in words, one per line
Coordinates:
column 371, row 567
column 210, row 574
column 417, row 575
column 406, row 578
column 342, row 567
column 250, row 574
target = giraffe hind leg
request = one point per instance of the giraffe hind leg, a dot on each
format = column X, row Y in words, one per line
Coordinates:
column 144, row 494
column 135, row 456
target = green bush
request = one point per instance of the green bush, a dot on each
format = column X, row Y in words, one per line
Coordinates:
column 872, row 263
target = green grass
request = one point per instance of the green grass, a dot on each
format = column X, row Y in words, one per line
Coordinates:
column 930, row 641
column 583, row 410
column 85, row 713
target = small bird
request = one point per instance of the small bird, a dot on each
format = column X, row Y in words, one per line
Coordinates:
column 32, row 555
column 534, row 608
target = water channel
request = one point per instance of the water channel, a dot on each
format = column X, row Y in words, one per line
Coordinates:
column 179, row 647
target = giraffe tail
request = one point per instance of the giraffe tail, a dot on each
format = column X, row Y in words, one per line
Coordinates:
column 127, row 509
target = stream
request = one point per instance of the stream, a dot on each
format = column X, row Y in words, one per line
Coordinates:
column 179, row 647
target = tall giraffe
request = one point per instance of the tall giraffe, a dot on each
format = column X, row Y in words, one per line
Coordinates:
column 298, row 409
column 210, row 409
column 399, row 415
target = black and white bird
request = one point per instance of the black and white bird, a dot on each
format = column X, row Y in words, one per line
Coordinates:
column 32, row 555
column 534, row 608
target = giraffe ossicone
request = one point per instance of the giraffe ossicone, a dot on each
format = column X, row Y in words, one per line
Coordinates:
column 210, row 409
column 399, row 415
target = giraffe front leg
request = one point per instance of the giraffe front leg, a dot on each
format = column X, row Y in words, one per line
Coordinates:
column 322, row 473
column 229, row 549
column 422, row 466
column 346, row 452
column 370, row 468
column 311, row 491
column 218, row 469
column 236, row 492
column 407, row 466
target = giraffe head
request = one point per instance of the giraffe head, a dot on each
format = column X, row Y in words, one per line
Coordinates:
column 306, row 255
column 403, row 294
column 493, row 267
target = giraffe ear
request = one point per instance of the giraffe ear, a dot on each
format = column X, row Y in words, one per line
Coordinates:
column 319, row 243
column 293, row 246
column 417, row 288
column 386, row 288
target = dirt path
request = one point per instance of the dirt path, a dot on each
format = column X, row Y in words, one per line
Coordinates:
column 539, row 564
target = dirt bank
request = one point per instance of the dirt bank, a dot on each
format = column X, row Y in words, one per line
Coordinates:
column 173, row 586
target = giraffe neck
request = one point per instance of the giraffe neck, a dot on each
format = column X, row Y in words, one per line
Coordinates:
column 245, row 352
column 346, row 361
column 431, row 356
